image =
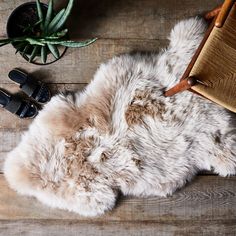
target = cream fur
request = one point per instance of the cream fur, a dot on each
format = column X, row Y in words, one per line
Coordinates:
column 122, row 134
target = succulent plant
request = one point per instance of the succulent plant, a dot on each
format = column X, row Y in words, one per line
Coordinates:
column 46, row 35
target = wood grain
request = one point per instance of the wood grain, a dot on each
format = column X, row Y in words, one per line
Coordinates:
column 211, row 197
column 11, row 127
column 132, row 19
column 219, row 57
column 123, row 19
column 77, row 65
column 183, row 85
column 211, row 14
column 128, row 228
column 206, row 206
column 224, row 13
column 10, row 122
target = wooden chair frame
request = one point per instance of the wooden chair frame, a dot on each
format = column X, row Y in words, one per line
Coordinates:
column 218, row 17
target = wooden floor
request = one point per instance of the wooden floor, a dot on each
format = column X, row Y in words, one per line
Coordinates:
column 206, row 206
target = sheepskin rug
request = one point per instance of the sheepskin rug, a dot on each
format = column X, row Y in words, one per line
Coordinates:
column 122, row 135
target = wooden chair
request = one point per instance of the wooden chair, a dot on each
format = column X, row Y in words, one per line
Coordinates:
column 212, row 70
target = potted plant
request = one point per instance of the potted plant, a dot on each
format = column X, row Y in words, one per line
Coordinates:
column 38, row 33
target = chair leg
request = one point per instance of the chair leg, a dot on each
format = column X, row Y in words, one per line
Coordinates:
column 183, row 85
column 211, row 14
column 224, row 13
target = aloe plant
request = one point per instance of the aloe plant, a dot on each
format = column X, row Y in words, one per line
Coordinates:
column 50, row 35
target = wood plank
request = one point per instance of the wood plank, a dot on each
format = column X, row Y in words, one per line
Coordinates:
column 77, row 65
column 9, row 140
column 10, row 122
column 116, row 20
column 208, row 198
column 133, row 19
column 151, row 228
column 206, row 206
column 11, row 127
column 140, row 19
column 63, row 72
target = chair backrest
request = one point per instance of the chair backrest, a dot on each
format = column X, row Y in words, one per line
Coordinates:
column 216, row 64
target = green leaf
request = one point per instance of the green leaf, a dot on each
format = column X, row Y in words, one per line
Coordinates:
column 20, row 46
column 43, row 54
column 55, row 21
column 5, row 41
column 11, row 40
column 34, row 41
column 26, row 49
column 40, row 13
column 69, row 43
column 18, row 39
column 54, row 50
column 38, row 22
column 62, row 33
column 51, row 38
column 57, row 35
column 64, row 17
column 74, row 44
column 34, row 53
column 31, row 27
column 49, row 14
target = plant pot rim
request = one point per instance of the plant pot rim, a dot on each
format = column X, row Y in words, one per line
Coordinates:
column 47, row 63
column 9, row 24
column 18, row 8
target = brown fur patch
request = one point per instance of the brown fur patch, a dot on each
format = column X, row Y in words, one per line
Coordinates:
column 66, row 121
column 143, row 105
column 75, row 167
column 137, row 162
column 79, row 147
column 104, row 157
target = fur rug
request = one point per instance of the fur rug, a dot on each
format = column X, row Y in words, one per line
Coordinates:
column 122, row 135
